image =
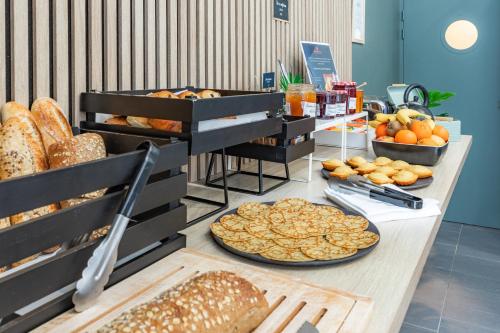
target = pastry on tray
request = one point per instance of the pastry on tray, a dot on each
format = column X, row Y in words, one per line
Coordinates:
column 343, row 172
column 356, row 161
column 420, row 171
column 368, row 167
column 209, row 94
column 386, row 170
column 382, row 161
column 405, row 178
column 379, row 178
column 333, row 164
column 294, row 230
column 399, row 165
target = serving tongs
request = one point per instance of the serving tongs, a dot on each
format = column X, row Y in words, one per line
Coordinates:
column 379, row 193
column 100, row 265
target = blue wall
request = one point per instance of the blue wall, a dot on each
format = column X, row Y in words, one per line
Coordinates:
column 378, row 60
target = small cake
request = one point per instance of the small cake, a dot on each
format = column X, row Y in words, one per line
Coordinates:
column 382, row 161
column 405, row 178
column 331, row 165
column 363, row 169
column 386, row 170
column 379, row 178
column 420, row 171
column 343, row 172
column 399, row 165
column 356, row 161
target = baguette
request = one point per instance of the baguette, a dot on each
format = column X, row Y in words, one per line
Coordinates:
column 213, row 302
column 14, row 109
column 51, row 121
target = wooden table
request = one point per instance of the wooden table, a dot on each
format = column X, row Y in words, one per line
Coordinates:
column 388, row 275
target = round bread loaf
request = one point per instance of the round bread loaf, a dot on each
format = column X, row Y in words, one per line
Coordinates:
column 188, row 95
column 163, row 94
column 51, row 122
column 165, row 124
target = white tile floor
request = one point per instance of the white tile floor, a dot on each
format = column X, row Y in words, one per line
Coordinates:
column 459, row 290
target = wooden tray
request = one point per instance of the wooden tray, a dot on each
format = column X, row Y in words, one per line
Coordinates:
column 315, row 263
column 292, row 301
column 421, row 183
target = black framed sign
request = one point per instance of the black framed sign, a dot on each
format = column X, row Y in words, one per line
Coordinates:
column 281, row 10
column 320, row 65
column 268, row 80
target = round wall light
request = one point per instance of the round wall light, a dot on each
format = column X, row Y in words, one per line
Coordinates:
column 461, row 35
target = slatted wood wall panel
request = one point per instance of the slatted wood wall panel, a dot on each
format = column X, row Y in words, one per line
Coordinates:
column 63, row 47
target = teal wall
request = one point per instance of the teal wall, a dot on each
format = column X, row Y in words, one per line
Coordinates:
column 378, row 60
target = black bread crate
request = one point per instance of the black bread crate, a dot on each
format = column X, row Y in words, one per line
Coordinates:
column 158, row 216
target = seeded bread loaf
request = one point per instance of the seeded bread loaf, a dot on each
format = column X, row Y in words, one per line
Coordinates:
column 79, row 149
column 213, row 302
column 51, row 122
column 14, row 109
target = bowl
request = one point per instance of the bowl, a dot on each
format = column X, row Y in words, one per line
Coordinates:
column 414, row 154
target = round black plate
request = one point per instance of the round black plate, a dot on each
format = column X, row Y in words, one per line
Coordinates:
column 421, row 183
column 315, row 263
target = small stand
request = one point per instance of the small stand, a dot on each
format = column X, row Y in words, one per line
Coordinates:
column 221, row 205
column 260, row 174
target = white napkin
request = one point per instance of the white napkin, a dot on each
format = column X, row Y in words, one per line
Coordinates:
column 378, row 211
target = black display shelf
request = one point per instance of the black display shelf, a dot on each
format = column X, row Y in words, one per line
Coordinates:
column 190, row 112
column 158, row 216
column 284, row 152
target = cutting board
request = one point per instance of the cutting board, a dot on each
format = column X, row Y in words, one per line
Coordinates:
column 292, row 301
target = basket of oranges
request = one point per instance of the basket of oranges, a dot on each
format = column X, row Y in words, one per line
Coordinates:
column 410, row 136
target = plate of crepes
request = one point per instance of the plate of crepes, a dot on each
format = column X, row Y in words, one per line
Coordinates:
column 380, row 171
column 295, row 232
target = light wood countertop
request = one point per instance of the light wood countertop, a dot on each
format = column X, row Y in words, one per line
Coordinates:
column 389, row 274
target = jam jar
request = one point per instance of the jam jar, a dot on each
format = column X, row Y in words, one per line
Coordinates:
column 301, row 100
column 350, row 87
column 341, row 87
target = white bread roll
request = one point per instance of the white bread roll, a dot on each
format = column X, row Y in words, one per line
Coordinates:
column 51, row 122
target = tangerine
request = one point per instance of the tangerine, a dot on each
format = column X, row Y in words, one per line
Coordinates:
column 421, row 129
column 381, row 130
column 442, row 132
column 406, row 136
column 385, row 139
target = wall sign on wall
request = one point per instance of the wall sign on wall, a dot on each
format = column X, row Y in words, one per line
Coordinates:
column 358, row 21
column 320, row 65
column 281, row 10
column 268, row 80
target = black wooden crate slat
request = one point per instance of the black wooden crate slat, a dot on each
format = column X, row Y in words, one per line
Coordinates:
column 275, row 154
column 36, row 235
column 63, row 303
column 34, row 191
column 24, row 287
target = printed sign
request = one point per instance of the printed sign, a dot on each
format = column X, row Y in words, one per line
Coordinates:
column 268, row 80
column 320, row 65
column 281, row 10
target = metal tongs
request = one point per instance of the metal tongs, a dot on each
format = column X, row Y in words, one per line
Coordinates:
column 100, row 265
column 359, row 184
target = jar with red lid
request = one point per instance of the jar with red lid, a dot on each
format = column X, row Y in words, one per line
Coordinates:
column 331, row 104
column 350, row 87
column 340, row 88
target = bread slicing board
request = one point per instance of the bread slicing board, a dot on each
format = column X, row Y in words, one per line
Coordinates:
column 292, row 301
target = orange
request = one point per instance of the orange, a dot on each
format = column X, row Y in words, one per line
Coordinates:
column 381, row 130
column 385, row 139
column 421, row 129
column 438, row 140
column 441, row 132
column 406, row 136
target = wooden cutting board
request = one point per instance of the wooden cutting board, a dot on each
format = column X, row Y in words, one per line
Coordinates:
column 292, row 301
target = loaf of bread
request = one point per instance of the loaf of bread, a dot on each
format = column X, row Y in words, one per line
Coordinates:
column 14, row 109
column 208, row 94
column 51, row 121
column 214, row 302
column 121, row 121
column 188, row 95
column 78, row 149
column 164, row 124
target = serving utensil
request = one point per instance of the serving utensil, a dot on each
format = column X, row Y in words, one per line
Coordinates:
column 100, row 265
column 374, row 193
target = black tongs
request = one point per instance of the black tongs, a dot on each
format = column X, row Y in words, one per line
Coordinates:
column 359, row 184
